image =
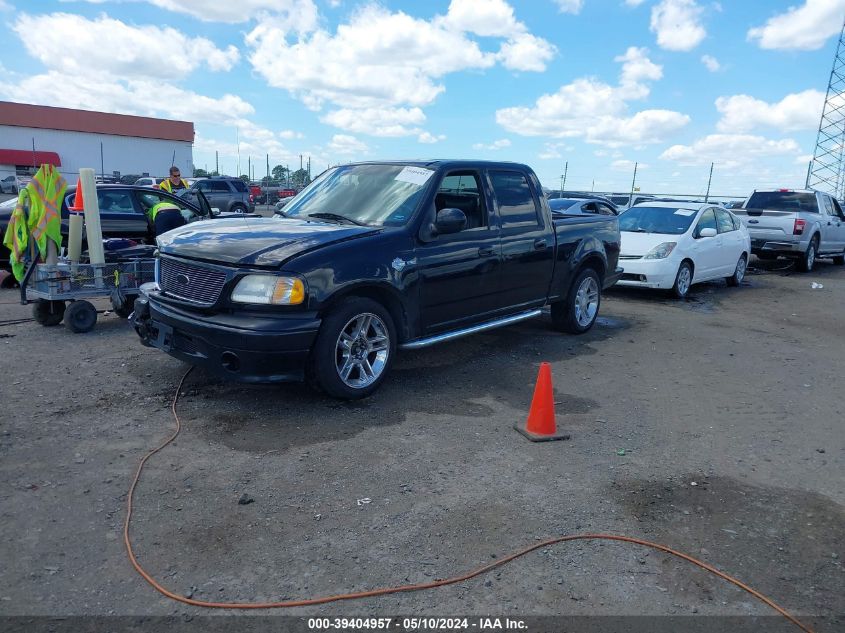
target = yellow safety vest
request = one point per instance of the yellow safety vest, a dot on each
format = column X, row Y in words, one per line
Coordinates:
column 161, row 206
column 17, row 235
column 168, row 186
column 46, row 190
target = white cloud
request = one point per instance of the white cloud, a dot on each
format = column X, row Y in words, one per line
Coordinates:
column 730, row 150
column 801, row 28
column 677, row 24
column 389, row 61
column 554, row 150
column 429, row 138
column 569, row 6
column 798, row 111
column 494, row 146
column 711, row 63
column 377, row 121
column 493, row 18
column 627, row 166
column 526, row 52
column 290, row 134
column 345, row 145
column 637, row 68
column 597, row 112
column 5, row 6
column 293, row 14
column 634, row 3
column 74, row 45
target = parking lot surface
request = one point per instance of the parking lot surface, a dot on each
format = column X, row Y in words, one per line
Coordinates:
column 712, row 425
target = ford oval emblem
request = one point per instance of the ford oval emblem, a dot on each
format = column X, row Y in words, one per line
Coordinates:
column 183, row 279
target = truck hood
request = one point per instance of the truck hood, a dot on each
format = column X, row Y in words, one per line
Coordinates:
column 641, row 243
column 255, row 241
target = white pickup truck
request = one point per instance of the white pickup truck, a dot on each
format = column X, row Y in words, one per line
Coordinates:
column 798, row 223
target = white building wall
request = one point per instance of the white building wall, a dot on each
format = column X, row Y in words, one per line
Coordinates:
column 126, row 154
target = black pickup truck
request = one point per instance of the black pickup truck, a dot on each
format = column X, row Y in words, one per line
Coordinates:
column 368, row 259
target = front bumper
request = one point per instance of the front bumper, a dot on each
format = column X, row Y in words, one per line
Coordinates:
column 650, row 273
column 240, row 347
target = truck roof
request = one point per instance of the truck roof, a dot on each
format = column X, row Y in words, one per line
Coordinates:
column 436, row 163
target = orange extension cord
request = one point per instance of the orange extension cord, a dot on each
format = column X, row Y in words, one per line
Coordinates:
column 402, row 588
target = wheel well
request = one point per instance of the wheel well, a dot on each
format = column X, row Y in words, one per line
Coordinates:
column 596, row 263
column 691, row 264
column 384, row 297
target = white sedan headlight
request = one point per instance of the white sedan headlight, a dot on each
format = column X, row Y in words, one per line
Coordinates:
column 661, row 251
column 269, row 290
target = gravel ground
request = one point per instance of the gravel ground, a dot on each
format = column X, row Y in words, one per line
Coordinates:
column 736, row 390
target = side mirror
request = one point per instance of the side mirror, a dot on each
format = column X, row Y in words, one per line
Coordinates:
column 449, row 221
column 708, row 232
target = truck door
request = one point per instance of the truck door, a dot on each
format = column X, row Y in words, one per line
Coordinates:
column 459, row 273
column 528, row 245
column 831, row 225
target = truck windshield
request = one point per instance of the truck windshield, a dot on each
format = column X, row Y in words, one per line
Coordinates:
column 668, row 220
column 791, row 201
column 374, row 195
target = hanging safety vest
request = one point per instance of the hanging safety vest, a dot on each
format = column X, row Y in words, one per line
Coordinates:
column 161, row 206
column 46, row 190
column 17, row 235
column 169, row 186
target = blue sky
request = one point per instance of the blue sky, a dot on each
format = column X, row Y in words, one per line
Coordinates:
column 671, row 84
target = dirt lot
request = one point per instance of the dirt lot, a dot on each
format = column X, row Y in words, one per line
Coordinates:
column 737, row 390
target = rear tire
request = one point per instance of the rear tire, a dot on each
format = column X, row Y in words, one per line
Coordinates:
column 80, row 317
column 683, row 281
column 48, row 313
column 238, row 208
column 739, row 272
column 354, row 349
column 808, row 262
column 577, row 313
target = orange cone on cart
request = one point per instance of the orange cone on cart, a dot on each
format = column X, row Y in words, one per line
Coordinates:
column 78, row 206
column 540, row 425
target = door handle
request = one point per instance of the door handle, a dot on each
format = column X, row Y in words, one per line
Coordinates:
column 485, row 250
column 539, row 245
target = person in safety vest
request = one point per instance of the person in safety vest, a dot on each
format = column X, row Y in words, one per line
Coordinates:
column 165, row 216
column 175, row 182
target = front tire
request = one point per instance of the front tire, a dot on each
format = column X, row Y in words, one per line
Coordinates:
column 354, row 349
column 80, row 316
column 739, row 272
column 808, row 262
column 577, row 313
column 683, row 281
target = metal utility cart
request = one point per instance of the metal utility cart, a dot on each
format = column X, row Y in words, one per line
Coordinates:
column 59, row 292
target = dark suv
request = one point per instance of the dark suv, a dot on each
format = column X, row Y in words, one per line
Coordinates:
column 229, row 195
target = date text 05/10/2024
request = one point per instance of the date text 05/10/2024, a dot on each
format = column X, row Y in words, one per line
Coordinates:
column 417, row 624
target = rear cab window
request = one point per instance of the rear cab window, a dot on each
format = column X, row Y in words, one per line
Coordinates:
column 791, row 201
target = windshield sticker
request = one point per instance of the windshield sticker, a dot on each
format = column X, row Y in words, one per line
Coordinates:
column 414, row 175
column 685, row 211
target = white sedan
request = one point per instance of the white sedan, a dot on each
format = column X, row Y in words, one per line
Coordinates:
column 673, row 245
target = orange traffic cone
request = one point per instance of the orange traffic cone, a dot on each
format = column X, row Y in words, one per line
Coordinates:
column 540, row 426
column 78, row 205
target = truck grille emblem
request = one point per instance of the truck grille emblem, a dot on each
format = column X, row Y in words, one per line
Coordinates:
column 183, row 279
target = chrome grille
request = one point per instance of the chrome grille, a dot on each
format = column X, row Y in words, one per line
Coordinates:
column 203, row 284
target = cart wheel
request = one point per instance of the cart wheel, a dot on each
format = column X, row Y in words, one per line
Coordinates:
column 48, row 313
column 123, row 308
column 80, row 316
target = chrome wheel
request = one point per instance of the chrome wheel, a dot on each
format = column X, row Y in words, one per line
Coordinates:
column 586, row 302
column 361, row 351
column 741, row 265
column 811, row 256
column 684, row 279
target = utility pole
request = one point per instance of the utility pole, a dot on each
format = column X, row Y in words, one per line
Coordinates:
column 249, row 167
column 593, row 187
column 709, row 180
column 216, row 163
column 563, row 177
column 268, row 168
column 633, row 183
column 102, row 162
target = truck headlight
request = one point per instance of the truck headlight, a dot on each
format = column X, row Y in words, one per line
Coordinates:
column 270, row 290
column 661, row 251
